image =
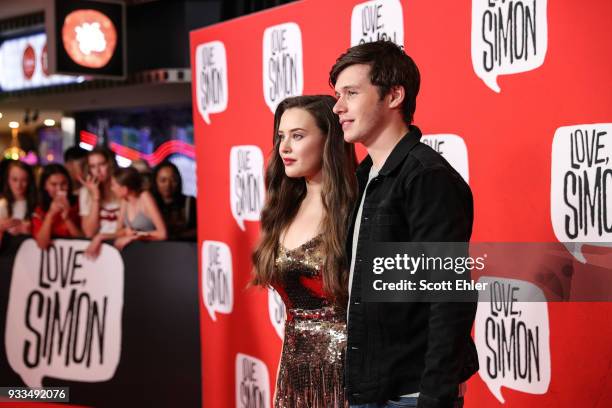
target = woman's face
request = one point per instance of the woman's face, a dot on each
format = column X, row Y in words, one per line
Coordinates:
column 166, row 182
column 18, row 182
column 98, row 167
column 118, row 190
column 56, row 185
column 301, row 143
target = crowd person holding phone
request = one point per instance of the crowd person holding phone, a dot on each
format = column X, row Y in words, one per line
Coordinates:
column 57, row 212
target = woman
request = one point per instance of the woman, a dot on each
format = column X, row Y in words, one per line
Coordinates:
column 311, row 189
column 56, row 214
column 98, row 206
column 139, row 217
column 177, row 209
column 18, row 199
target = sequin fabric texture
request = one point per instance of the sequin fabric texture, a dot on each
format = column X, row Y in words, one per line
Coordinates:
column 312, row 362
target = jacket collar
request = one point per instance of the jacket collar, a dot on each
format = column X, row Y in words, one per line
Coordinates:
column 399, row 152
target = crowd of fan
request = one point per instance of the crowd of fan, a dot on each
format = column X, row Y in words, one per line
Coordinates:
column 91, row 197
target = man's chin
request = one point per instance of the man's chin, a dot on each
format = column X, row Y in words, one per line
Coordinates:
column 350, row 138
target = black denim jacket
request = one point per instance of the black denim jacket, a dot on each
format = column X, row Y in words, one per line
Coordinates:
column 400, row 348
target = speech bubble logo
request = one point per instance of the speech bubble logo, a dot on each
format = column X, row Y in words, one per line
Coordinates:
column 64, row 313
column 277, row 311
column 252, row 382
column 512, row 337
column 211, row 79
column 453, row 149
column 508, row 37
column 247, row 190
column 217, row 278
column 377, row 20
column 581, row 186
column 283, row 69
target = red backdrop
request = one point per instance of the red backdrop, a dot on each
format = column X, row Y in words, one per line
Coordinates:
column 508, row 137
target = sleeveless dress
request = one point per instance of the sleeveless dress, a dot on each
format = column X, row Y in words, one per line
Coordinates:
column 141, row 222
column 312, row 363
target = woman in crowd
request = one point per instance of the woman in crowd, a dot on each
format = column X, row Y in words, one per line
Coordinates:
column 57, row 212
column 310, row 191
column 177, row 209
column 139, row 217
column 18, row 199
column 98, row 206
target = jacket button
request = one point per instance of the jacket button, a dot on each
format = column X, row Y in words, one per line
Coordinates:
column 356, row 303
column 354, row 348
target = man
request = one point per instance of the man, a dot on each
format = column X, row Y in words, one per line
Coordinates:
column 400, row 354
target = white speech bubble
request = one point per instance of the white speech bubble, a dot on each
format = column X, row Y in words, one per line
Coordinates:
column 581, row 186
column 377, row 20
column 283, row 67
column 212, row 91
column 217, row 278
column 453, row 149
column 512, row 337
column 508, row 37
column 64, row 313
column 277, row 311
column 247, row 190
column 252, row 382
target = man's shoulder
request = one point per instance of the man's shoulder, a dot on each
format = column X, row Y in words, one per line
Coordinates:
column 427, row 158
column 422, row 159
column 425, row 161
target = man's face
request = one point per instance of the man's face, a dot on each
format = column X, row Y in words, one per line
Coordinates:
column 362, row 113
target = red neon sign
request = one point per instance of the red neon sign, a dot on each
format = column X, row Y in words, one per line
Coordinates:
column 163, row 151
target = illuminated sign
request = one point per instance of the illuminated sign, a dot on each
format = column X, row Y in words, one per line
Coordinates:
column 29, row 62
column 162, row 152
column 23, row 64
column 88, row 38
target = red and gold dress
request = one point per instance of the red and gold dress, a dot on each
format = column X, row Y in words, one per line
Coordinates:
column 312, row 362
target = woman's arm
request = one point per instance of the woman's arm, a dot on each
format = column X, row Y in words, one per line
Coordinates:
column 73, row 228
column 150, row 207
column 6, row 222
column 90, row 198
column 43, row 226
column 93, row 249
column 125, row 235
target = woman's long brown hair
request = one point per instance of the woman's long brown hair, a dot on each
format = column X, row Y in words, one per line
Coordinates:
column 285, row 195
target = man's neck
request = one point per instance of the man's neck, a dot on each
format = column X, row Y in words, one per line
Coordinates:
column 382, row 145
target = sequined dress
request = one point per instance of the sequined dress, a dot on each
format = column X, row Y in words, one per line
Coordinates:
column 311, row 368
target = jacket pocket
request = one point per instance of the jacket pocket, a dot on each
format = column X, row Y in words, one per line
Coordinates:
column 387, row 227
